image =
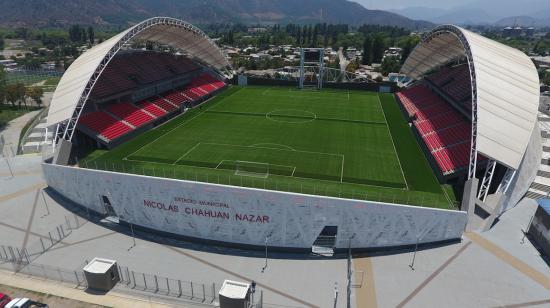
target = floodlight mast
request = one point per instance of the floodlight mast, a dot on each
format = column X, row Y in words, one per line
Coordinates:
column 318, row 64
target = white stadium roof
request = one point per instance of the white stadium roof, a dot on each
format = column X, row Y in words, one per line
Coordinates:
column 505, row 88
column 78, row 81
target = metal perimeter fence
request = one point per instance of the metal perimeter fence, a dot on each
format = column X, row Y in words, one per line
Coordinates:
column 21, row 261
column 18, row 262
column 376, row 193
column 34, row 250
column 204, row 293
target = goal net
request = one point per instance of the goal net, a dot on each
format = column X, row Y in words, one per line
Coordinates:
column 251, row 168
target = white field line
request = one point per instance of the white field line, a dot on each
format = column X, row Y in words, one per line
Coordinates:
column 306, row 98
column 268, row 164
column 221, row 163
column 354, row 121
column 292, row 175
column 342, row 173
column 165, row 164
column 259, row 147
column 393, row 143
column 251, row 174
column 266, row 143
column 287, row 176
column 182, row 124
column 186, row 153
column 268, row 117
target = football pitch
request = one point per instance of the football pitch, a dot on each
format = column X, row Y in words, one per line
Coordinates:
column 349, row 144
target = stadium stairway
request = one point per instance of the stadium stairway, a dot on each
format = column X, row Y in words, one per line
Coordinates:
column 540, row 188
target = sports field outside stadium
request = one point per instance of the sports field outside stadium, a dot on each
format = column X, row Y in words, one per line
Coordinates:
column 340, row 143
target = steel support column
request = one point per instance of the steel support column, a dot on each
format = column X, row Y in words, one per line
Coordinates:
column 507, row 180
column 71, row 123
column 487, row 179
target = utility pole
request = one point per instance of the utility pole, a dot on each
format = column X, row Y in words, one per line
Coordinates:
column 265, row 266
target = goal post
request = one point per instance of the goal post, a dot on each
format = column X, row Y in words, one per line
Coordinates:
column 256, row 169
column 252, row 168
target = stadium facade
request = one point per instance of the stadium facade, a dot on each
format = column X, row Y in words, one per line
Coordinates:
column 503, row 107
column 504, row 91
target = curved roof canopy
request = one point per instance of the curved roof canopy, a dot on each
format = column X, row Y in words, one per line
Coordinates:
column 505, row 88
column 78, row 81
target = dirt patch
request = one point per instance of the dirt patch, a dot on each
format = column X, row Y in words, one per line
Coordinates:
column 51, row 300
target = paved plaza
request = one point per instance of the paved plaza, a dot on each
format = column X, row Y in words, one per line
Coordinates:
column 490, row 269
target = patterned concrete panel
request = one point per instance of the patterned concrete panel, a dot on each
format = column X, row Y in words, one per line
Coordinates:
column 248, row 216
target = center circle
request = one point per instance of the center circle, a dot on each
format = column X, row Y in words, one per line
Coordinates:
column 295, row 116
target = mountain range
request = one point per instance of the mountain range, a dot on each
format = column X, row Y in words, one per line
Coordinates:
column 502, row 13
column 123, row 12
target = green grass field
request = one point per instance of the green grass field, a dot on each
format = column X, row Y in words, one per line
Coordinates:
column 350, row 144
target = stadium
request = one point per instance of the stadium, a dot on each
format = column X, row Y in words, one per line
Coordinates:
column 165, row 139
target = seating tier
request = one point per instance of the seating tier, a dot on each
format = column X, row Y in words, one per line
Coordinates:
column 105, row 125
column 130, row 114
column 443, row 129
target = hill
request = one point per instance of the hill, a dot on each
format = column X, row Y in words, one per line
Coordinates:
column 507, row 12
column 123, row 12
column 524, row 21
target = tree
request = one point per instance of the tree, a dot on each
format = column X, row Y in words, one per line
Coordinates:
column 377, row 48
column 315, row 34
column 22, row 33
column 35, row 93
column 15, row 93
column 390, row 65
column 76, row 32
column 367, row 51
column 546, row 78
column 2, row 76
column 407, row 45
column 91, row 35
column 2, row 85
column 325, row 35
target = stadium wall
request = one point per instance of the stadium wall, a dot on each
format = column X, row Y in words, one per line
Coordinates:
column 366, row 86
column 527, row 171
column 246, row 216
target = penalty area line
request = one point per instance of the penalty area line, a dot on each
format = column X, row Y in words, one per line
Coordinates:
column 186, row 153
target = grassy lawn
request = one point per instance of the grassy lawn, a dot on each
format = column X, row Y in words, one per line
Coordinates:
column 351, row 144
column 8, row 113
column 52, row 81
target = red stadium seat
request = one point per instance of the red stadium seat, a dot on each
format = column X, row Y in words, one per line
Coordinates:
column 201, row 86
column 152, row 108
column 165, row 105
column 130, row 114
column 445, row 132
column 104, row 125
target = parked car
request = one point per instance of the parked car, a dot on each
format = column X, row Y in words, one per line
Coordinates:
column 24, row 303
column 19, row 303
column 4, row 299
